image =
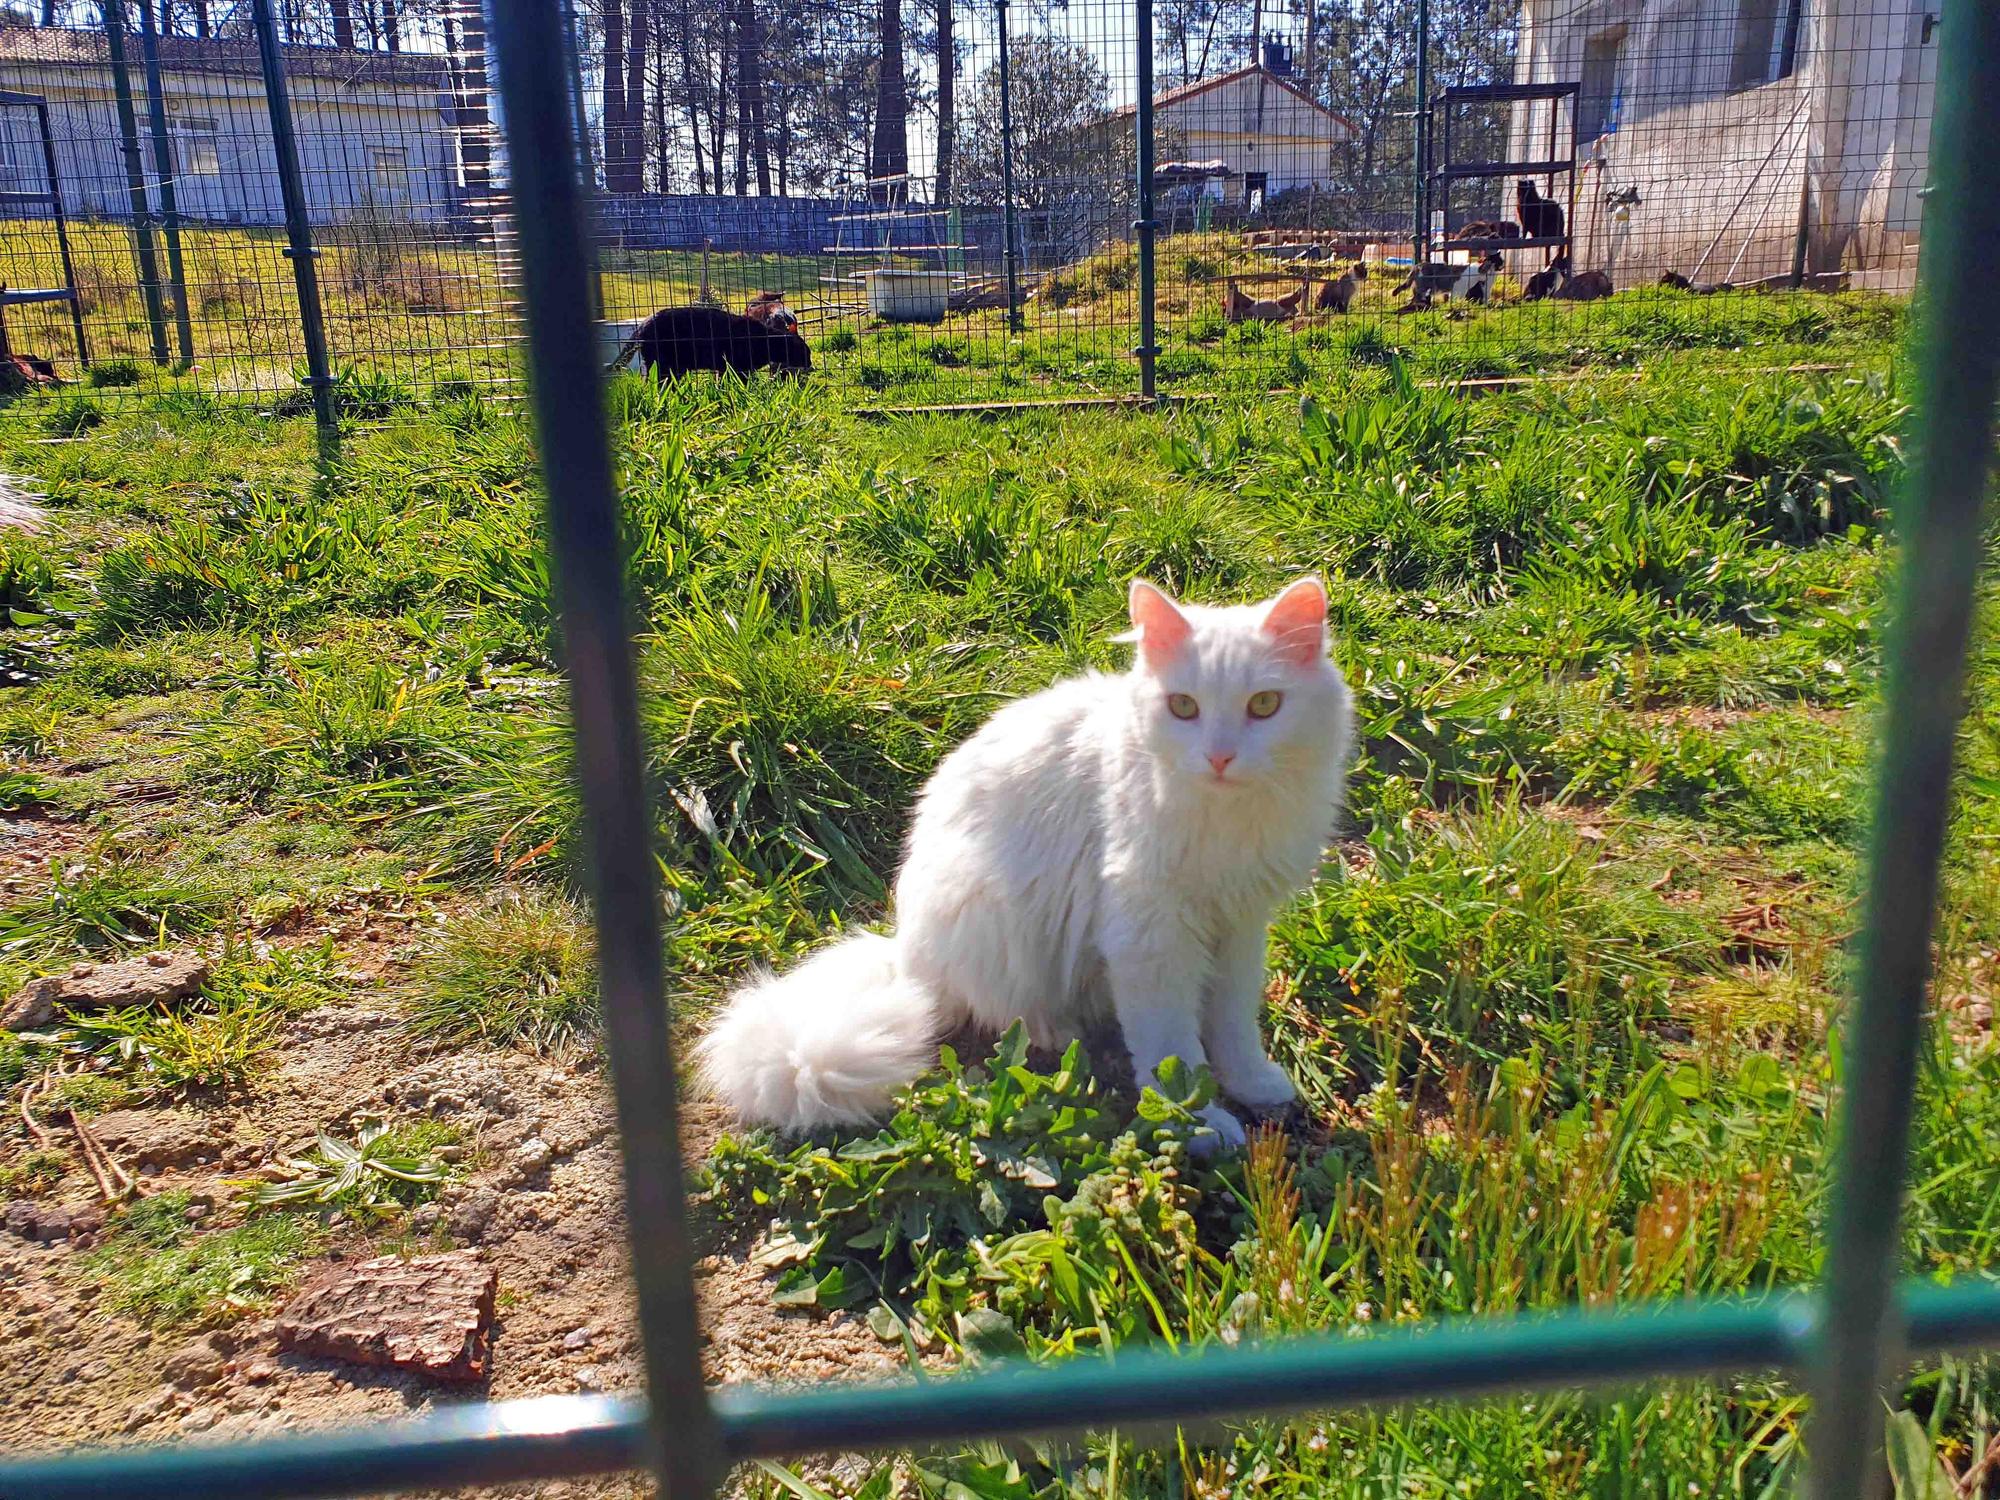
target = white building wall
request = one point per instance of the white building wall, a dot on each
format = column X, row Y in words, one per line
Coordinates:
column 1720, row 168
column 368, row 143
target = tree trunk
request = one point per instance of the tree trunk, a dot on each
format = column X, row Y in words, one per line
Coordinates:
column 343, row 24
column 663, row 136
column 891, row 154
column 613, row 14
column 392, row 25
column 742, row 137
column 48, row 12
column 947, row 66
column 638, row 40
column 718, row 116
column 750, row 95
column 694, row 111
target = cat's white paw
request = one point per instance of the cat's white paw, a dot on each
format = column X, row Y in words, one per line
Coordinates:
column 1225, row 1133
column 1262, row 1085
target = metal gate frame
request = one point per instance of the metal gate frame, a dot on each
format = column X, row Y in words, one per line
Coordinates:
column 1848, row 1337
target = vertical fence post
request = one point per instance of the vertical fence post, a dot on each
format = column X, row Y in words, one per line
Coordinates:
column 135, row 179
column 585, row 158
column 1144, row 226
column 62, row 233
column 163, row 166
column 1420, row 213
column 298, row 227
column 565, row 381
column 1008, row 254
column 1939, row 520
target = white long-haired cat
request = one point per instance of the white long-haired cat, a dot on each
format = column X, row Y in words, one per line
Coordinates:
column 1119, row 841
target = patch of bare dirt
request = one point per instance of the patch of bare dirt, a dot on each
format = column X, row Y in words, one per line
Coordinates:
column 538, row 1197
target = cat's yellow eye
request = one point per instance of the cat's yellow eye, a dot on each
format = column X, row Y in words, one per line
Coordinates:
column 1181, row 706
column 1264, row 704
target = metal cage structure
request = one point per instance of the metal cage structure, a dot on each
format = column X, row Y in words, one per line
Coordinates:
column 24, row 120
column 1846, row 1336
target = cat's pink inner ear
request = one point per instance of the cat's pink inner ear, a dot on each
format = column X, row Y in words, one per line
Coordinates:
column 1162, row 629
column 1296, row 623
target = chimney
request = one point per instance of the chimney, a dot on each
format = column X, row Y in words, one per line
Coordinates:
column 1277, row 57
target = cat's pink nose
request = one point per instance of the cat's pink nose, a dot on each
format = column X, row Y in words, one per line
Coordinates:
column 1220, row 761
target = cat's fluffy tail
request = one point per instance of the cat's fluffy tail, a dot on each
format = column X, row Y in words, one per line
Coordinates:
column 826, row 1044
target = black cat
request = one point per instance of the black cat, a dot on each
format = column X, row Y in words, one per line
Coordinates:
column 1541, row 218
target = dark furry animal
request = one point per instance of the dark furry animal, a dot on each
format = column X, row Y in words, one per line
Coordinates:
column 1489, row 229
column 1585, row 286
column 1338, row 295
column 677, row 340
column 1699, row 288
column 1459, row 283
column 1541, row 218
column 1547, row 282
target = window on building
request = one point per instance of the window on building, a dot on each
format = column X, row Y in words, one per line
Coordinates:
column 1597, row 98
column 21, row 167
column 389, row 169
column 197, row 146
column 1676, row 62
column 1756, row 36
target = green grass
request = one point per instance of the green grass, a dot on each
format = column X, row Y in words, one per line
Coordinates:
column 518, row 972
column 156, row 1266
column 410, row 322
column 1560, row 1004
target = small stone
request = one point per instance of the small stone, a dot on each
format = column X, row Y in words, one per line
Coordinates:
column 577, row 1338
column 150, row 1408
column 590, row 1377
column 157, row 979
column 45, row 1223
column 195, row 1364
column 153, row 1138
column 530, row 1157
column 469, row 1220
column 200, row 1420
column 260, row 1370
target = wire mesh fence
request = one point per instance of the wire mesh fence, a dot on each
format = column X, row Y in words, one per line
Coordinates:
column 943, row 197
column 167, row 164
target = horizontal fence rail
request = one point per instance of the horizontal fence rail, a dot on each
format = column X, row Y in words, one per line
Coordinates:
column 1845, row 1338
column 558, row 1435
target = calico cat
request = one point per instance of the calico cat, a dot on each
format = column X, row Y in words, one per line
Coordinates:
column 1112, row 844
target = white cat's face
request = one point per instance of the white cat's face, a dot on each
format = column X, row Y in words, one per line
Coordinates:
column 1235, row 697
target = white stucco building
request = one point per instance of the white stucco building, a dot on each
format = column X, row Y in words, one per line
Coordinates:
column 372, row 127
column 1737, row 122
column 1268, row 133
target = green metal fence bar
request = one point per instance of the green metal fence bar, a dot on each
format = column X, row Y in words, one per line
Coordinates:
column 587, row 551
column 1845, row 1337
column 163, row 169
column 298, row 215
column 548, row 1436
column 1939, row 525
column 1010, row 255
column 62, row 231
column 135, row 179
column 1144, row 226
